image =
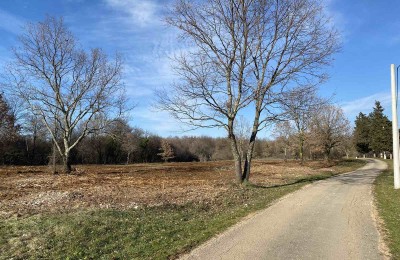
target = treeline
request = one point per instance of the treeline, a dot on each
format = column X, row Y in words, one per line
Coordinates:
column 323, row 133
column 313, row 130
column 29, row 143
column 139, row 146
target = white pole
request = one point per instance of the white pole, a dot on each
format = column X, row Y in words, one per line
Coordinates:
column 395, row 129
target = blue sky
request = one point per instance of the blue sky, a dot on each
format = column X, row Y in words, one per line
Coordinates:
column 359, row 76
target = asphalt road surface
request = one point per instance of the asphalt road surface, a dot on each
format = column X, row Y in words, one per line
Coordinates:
column 330, row 219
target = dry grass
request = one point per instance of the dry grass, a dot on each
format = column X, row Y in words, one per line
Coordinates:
column 27, row 190
column 148, row 211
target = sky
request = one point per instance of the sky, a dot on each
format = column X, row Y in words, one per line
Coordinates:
column 359, row 75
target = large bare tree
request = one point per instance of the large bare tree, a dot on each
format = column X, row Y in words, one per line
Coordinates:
column 300, row 106
column 67, row 87
column 284, row 133
column 245, row 53
column 329, row 129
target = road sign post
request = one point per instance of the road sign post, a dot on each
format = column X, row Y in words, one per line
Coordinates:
column 395, row 129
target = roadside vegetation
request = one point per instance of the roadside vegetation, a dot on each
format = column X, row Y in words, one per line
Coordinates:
column 163, row 229
column 388, row 203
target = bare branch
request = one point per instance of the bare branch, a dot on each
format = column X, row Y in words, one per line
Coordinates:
column 63, row 84
column 246, row 54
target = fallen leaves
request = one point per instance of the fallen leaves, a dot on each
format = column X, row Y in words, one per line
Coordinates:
column 26, row 190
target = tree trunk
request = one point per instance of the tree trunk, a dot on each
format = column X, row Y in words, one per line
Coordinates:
column 236, row 157
column 250, row 148
column 249, row 157
column 54, row 158
column 301, row 147
column 285, row 154
column 67, row 162
column 128, row 157
column 327, row 154
column 238, row 169
column 33, row 149
column 246, row 169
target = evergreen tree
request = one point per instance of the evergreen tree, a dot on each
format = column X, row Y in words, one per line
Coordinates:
column 380, row 133
column 361, row 134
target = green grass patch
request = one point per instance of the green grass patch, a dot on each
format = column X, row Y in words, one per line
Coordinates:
column 146, row 233
column 388, row 203
column 348, row 165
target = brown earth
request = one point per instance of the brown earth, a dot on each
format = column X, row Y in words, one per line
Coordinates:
column 26, row 190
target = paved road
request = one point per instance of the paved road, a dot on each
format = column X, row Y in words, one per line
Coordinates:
column 330, row 219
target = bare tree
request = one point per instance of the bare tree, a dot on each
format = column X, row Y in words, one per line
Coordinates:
column 300, row 105
column 283, row 133
column 64, row 85
column 202, row 147
column 347, row 145
column 329, row 129
column 167, row 152
column 245, row 54
column 241, row 130
column 131, row 142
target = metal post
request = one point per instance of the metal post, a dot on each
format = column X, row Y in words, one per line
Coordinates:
column 395, row 129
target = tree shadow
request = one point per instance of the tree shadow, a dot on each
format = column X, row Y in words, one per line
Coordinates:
column 309, row 179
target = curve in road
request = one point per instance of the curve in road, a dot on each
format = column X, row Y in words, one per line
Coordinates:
column 330, row 219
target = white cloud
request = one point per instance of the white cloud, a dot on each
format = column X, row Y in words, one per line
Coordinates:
column 163, row 124
column 141, row 12
column 144, row 41
column 337, row 19
column 160, row 122
column 366, row 104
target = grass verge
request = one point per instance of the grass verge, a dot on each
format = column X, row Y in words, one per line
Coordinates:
column 145, row 233
column 388, row 203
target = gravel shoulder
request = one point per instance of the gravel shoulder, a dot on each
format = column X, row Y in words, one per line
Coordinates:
column 330, row 219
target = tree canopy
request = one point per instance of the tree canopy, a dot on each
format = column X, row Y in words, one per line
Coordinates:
column 245, row 55
column 361, row 133
column 380, row 130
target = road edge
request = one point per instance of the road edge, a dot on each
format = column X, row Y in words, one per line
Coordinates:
column 379, row 223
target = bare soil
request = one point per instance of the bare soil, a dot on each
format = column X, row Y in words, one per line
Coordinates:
column 27, row 190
